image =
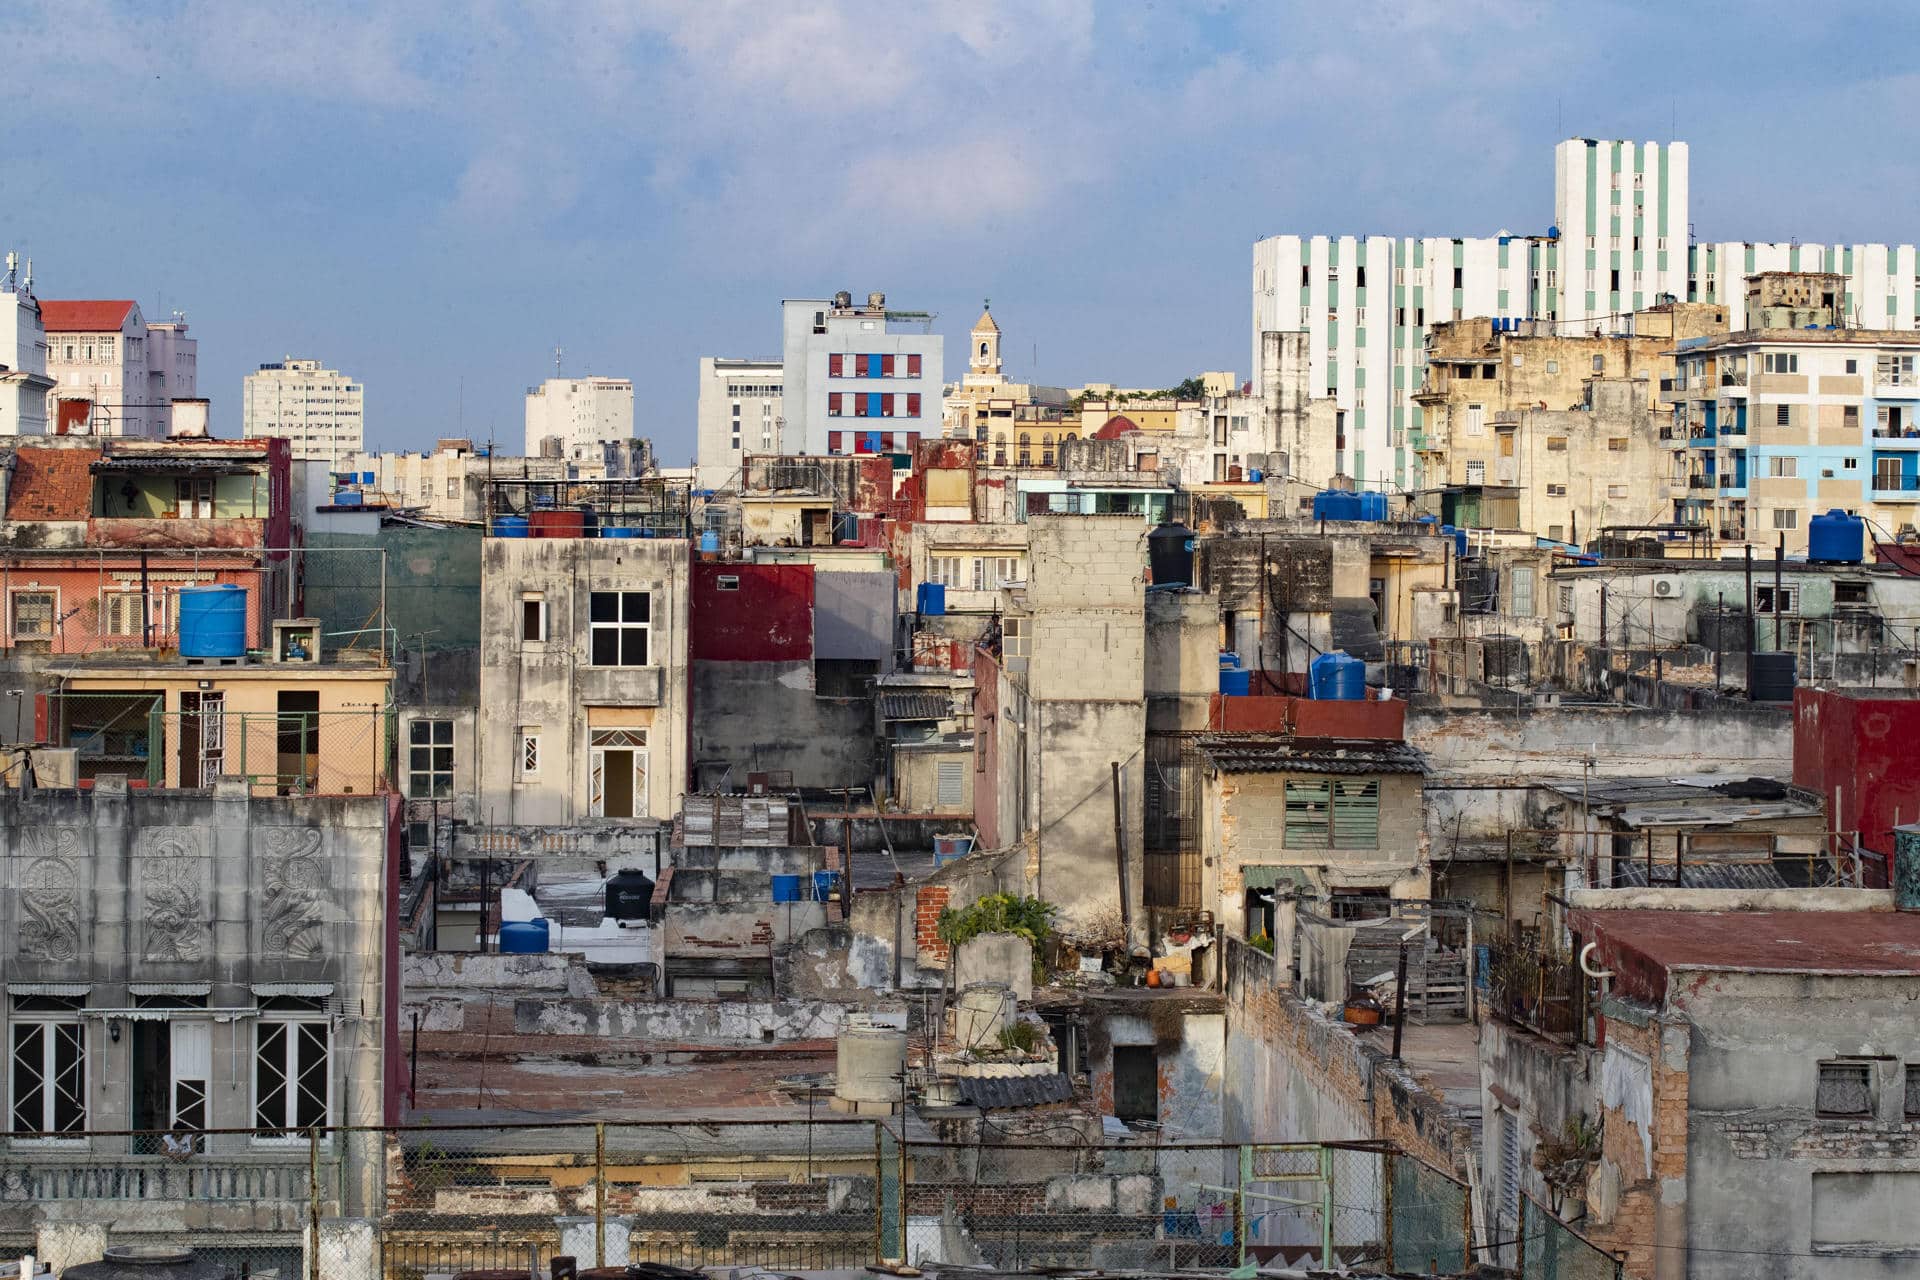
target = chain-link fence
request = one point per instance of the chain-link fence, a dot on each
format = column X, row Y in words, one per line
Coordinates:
column 832, row 1193
column 1551, row 1250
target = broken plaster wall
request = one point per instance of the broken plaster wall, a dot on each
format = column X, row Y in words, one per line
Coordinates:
column 684, row 1022
column 439, row 985
column 1189, row 1046
column 1517, row 743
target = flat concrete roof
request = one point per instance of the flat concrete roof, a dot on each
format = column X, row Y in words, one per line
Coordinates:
column 1867, row 942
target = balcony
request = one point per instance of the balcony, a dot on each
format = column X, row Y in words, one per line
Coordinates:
column 1887, row 488
column 1700, row 482
column 1734, row 484
column 1737, row 381
column 1896, row 438
column 1733, row 533
column 42, row 1177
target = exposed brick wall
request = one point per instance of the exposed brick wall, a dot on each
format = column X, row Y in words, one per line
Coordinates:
column 928, row 903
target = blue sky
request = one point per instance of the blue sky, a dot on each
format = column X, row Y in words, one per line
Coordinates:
column 430, row 197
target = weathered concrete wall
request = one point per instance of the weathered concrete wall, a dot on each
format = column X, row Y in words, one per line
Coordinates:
column 1486, row 743
column 111, row 887
column 438, row 986
column 853, row 615
column 1182, row 664
column 739, row 1022
column 995, row 957
column 432, row 585
column 755, row 716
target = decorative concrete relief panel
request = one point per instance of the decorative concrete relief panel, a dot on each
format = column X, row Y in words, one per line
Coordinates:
column 294, row 890
column 170, row 881
column 49, row 922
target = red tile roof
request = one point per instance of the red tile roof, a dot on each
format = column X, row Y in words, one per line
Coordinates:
column 51, row 484
column 84, row 316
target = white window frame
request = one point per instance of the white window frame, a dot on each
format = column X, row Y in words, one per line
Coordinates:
column 539, row 600
column 432, row 746
column 621, row 626
column 13, row 613
column 946, row 571
column 133, row 625
column 1783, row 466
column 1786, row 519
column 46, row 1021
column 290, row 1021
column 527, row 754
column 596, row 765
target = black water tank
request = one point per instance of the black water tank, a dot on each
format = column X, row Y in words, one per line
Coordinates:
column 1772, row 677
column 629, row 894
column 148, row 1262
column 1170, row 555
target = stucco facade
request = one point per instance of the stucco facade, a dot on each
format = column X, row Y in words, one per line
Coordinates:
column 579, row 721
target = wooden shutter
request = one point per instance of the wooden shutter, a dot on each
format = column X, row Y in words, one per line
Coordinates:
column 1306, row 816
column 947, row 784
column 1356, row 814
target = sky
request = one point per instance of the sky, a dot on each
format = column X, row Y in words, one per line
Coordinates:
column 432, row 197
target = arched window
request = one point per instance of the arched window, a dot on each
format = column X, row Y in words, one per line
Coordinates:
column 983, row 350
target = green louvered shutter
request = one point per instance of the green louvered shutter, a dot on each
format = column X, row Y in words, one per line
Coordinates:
column 1307, row 825
column 1356, row 815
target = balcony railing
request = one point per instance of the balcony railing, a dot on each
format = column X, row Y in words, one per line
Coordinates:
column 1733, row 533
column 1733, row 379
column 1699, row 482
column 44, row 1176
column 1732, row 482
column 1895, row 485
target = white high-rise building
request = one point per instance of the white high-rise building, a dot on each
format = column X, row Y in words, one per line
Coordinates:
column 865, row 375
column 23, row 355
column 1618, row 242
column 321, row 411
column 581, row 414
column 739, row 414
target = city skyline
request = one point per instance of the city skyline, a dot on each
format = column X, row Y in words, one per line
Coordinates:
column 432, row 201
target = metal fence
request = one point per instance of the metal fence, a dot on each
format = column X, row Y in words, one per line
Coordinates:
column 834, row 1193
column 1551, row 1250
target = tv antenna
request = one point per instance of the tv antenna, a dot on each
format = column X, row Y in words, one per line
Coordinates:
column 557, row 352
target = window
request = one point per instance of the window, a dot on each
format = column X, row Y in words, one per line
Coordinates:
column 1850, row 593
column 1616, row 491
column 121, row 614
column 1476, row 419
column 1849, row 464
column 529, row 755
column 1599, row 364
column 48, row 1067
column 1763, row 599
column 1521, row 604
column 1342, row 814
column 1783, row 415
column 1779, row 467
column 1616, row 444
column 1476, row 472
column 533, row 618
column 430, row 760
column 1556, row 444
column 1850, row 416
column 193, row 498
column 618, row 622
column 1786, row 518
column 453, row 487
column 292, row 1083
column 990, row 573
column 945, row 570
column 617, row 772
column 1556, row 491
column 1566, row 599
column 1779, row 362
column 33, row 615
column 1459, row 277
column 1853, row 366
column 1844, row 1089
column 1912, row 1105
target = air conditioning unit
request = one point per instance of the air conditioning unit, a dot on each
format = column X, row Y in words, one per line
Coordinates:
column 1666, row 588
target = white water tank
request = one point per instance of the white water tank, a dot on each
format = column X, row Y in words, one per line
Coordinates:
column 984, row 1010
column 868, row 1064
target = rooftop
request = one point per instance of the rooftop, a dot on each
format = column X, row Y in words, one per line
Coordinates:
column 1843, row 942
column 1659, row 801
column 1785, row 337
column 1274, row 752
column 84, row 316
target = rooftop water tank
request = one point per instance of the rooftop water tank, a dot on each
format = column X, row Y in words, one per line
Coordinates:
column 1837, row 538
column 786, row 888
column 709, row 541
column 930, row 598
column 523, row 937
column 213, row 621
column 1338, row 677
column 868, row 1064
column 1336, row 504
column 1170, row 554
column 1771, row 677
column 148, row 1262
column 1373, row 506
column 509, row 526
column 629, row 894
column 566, row 522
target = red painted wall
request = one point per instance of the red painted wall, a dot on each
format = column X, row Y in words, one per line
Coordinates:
column 1867, row 746
column 769, row 618
column 1308, row 718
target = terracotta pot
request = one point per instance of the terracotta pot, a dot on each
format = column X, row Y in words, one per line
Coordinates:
column 1362, row 1013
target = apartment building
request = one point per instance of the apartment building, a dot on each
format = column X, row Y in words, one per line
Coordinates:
column 1006, row 420
column 844, row 365
column 448, row 484
column 574, row 418
column 1618, row 242
column 320, row 411
column 24, row 383
column 1777, row 425
column 739, row 413
column 97, row 356
column 583, row 679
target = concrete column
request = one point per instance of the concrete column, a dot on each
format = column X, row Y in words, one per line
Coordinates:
column 1286, row 920
column 69, row 1244
column 349, row 1250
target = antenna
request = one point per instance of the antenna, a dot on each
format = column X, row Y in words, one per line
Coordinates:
column 13, row 264
column 556, row 359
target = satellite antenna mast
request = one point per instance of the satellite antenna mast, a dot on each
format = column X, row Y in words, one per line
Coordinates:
column 556, row 359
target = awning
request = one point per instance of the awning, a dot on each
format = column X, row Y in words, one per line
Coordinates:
column 169, row 988
column 310, row 990
column 1273, row 877
column 69, row 989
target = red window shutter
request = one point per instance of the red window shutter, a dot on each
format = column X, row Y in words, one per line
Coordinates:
column 886, row 366
column 913, row 366
column 866, row 366
column 834, row 366
column 833, row 441
column 833, row 404
column 913, row 404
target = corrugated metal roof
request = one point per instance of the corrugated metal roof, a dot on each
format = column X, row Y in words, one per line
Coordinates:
column 1702, row 875
column 1014, row 1091
column 914, row 706
column 1273, row 752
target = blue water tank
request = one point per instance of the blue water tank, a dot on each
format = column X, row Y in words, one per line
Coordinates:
column 509, row 526
column 930, row 598
column 786, row 888
column 1235, row 682
column 1837, row 538
column 1336, row 504
column 1256, row 475
column 1338, row 677
column 710, row 541
column 213, row 621
column 348, row 498
column 1459, row 537
column 523, row 937
column 1229, row 660
column 618, row 531
column 825, row 885
column 1373, row 506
